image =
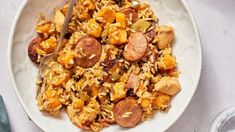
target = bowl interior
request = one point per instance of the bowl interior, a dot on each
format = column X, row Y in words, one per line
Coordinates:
column 187, row 49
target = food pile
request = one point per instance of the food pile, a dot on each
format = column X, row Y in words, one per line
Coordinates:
column 115, row 66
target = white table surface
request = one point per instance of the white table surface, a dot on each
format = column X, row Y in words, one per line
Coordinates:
column 216, row 90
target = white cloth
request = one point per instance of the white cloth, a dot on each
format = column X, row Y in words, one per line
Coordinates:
column 216, row 90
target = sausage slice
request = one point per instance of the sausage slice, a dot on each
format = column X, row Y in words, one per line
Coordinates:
column 136, row 47
column 127, row 113
column 88, row 51
column 130, row 13
column 33, row 45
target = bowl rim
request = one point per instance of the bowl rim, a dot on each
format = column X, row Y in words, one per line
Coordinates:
column 37, row 123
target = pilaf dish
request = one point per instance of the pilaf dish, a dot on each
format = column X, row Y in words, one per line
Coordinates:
column 115, row 66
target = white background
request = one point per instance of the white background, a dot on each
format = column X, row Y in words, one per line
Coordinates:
column 216, row 90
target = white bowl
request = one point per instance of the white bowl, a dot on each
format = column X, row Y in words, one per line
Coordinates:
column 187, row 49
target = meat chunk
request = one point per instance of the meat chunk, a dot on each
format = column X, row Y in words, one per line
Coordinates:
column 127, row 113
column 133, row 82
column 136, row 47
column 151, row 34
column 88, row 51
column 59, row 20
column 168, row 85
column 130, row 13
column 33, row 45
column 165, row 36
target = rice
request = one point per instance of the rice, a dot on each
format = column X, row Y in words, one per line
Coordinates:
column 88, row 94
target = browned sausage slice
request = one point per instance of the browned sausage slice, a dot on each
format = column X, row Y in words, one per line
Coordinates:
column 88, row 51
column 127, row 113
column 33, row 45
column 130, row 13
column 136, row 47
